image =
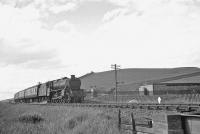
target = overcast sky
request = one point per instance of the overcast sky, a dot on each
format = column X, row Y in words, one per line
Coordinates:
column 42, row 40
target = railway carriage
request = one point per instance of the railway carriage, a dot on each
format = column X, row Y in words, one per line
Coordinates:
column 30, row 94
column 43, row 92
column 19, row 96
column 16, row 96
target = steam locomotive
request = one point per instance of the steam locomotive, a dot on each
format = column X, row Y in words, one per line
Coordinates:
column 63, row 90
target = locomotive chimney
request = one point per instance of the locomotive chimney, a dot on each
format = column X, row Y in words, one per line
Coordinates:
column 72, row 76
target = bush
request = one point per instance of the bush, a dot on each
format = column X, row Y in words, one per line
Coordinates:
column 31, row 117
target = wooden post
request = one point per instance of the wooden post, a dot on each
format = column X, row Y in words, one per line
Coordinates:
column 133, row 124
column 119, row 119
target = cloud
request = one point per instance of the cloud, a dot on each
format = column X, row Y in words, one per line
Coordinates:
column 85, row 14
column 26, row 43
column 129, row 24
column 122, row 2
column 115, row 13
column 18, row 23
column 60, row 8
column 164, row 34
column 26, row 56
column 64, row 26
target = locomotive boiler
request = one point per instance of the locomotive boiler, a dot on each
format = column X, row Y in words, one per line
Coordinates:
column 61, row 90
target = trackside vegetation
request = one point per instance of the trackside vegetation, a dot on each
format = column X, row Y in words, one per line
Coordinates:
column 35, row 119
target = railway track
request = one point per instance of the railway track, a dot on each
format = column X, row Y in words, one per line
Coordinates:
column 148, row 106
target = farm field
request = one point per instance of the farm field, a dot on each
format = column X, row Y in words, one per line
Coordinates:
column 35, row 119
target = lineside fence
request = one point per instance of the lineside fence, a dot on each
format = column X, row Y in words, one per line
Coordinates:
column 134, row 125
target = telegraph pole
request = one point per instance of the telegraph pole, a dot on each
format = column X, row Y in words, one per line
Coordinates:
column 116, row 67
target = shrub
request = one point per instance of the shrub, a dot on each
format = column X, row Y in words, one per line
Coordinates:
column 31, row 117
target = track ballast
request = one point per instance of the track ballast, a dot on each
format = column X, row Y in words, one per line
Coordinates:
column 148, row 106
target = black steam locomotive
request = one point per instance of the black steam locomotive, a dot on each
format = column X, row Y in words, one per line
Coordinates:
column 63, row 90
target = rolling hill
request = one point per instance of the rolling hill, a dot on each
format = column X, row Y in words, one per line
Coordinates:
column 131, row 78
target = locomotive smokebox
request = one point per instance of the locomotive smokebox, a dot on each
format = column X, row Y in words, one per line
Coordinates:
column 72, row 77
column 74, row 83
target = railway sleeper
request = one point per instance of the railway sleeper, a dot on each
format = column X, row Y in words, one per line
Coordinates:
column 191, row 108
column 183, row 109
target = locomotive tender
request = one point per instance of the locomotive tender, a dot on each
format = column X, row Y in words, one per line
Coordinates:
column 61, row 90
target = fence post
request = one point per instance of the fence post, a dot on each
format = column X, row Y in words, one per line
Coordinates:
column 133, row 124
column 119, row 119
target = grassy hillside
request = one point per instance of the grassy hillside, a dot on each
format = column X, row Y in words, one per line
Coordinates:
column 194, row 79
column 130, row 78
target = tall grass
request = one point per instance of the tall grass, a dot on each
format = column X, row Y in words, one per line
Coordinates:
column 32, row 119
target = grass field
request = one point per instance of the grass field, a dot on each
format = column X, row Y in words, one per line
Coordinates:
column 32, row 119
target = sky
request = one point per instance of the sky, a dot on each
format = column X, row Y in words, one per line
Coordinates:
column 42, row 40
